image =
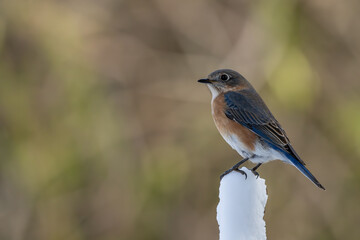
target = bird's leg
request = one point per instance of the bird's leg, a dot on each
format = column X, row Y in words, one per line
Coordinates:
column 254, row 170
column 236, row 168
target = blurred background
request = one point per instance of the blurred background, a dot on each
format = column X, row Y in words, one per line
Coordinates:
column 105, row 133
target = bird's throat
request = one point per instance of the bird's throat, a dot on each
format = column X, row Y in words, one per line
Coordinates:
column 214, row 91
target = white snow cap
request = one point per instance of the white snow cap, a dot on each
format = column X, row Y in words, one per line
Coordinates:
column 241, row 208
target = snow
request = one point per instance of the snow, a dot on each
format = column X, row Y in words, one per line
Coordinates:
column 241, row 208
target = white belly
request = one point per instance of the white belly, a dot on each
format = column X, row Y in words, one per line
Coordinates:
column 261, row 153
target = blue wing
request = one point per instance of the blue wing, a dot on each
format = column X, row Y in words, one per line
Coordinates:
column 248, row 109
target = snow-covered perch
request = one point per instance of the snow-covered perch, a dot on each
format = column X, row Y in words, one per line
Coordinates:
column 241, row 208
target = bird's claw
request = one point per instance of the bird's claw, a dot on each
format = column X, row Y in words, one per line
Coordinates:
column 242, row 172
column 225, row 173
column 236, row 168
column 233, row 169
column 255, row 173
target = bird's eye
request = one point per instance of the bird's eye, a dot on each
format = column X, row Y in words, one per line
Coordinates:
column 224, row 77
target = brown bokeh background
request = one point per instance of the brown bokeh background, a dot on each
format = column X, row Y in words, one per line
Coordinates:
column 105, row 133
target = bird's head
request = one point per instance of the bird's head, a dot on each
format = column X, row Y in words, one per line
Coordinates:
column 225, row 80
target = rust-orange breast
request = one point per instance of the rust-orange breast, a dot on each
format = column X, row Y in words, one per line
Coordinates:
column 227, row 126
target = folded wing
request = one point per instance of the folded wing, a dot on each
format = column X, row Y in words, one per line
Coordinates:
column 248, row 109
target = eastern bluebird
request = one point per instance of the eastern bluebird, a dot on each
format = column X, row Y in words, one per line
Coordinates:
column 247, row 125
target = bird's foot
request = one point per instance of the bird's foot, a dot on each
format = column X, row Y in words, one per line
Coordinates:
column 233, row 169
column 242, row 172
column 255, row 173
column 236, row 168
column 254, row 170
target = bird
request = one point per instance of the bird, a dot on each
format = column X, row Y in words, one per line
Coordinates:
column 247, row 125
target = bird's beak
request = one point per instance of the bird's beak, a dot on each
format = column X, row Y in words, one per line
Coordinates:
column 205, row 80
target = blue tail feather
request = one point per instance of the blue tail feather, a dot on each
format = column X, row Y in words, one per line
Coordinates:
column 304, row 170
column 294, row 159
